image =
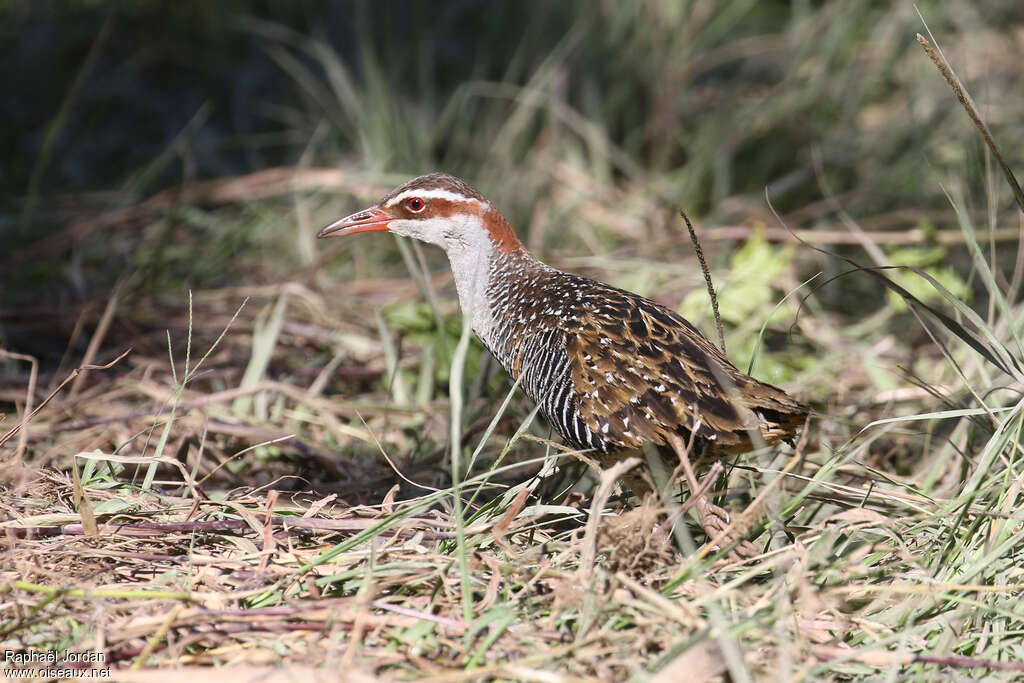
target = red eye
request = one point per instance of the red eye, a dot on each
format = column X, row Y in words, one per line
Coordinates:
column 415, row 204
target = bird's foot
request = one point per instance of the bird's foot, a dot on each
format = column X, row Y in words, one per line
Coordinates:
column 713, row 519
column 715, row 522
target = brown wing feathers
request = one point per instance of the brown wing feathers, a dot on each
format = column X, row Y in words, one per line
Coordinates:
column 612, row 370
column 640, row 371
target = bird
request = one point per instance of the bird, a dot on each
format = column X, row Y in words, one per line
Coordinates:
column 612, row 371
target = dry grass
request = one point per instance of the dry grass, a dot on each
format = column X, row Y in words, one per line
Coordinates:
column 258, row 478
column 186, row 534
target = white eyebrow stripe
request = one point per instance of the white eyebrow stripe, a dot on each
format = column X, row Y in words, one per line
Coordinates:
column 436, row 193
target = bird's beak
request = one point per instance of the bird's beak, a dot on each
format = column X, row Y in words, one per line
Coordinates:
column 366, row 220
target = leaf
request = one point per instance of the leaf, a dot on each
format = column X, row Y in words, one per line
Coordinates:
column 932, row 261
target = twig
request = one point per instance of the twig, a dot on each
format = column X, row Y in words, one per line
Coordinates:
column 970, row 662
column 84, row 368
column 887, row 659
column 413, row 526
column 968, row 104
column 97, row 338
column 707, row 279
column 268, row 183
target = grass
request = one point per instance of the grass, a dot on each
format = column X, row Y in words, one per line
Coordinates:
column 306, row 463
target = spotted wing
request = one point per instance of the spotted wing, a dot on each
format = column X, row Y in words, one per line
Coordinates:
column 641, row 371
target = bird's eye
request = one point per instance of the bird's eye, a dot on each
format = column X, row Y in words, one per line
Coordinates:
column 415, row 204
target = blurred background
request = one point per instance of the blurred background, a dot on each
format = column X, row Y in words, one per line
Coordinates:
column 157, row 149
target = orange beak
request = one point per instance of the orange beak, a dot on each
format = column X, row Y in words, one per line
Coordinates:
column 367, row 220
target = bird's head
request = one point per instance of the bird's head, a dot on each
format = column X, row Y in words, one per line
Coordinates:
column 437, row 208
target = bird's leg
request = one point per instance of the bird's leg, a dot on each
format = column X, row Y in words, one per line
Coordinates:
column 713, row 519
column 707, row 481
